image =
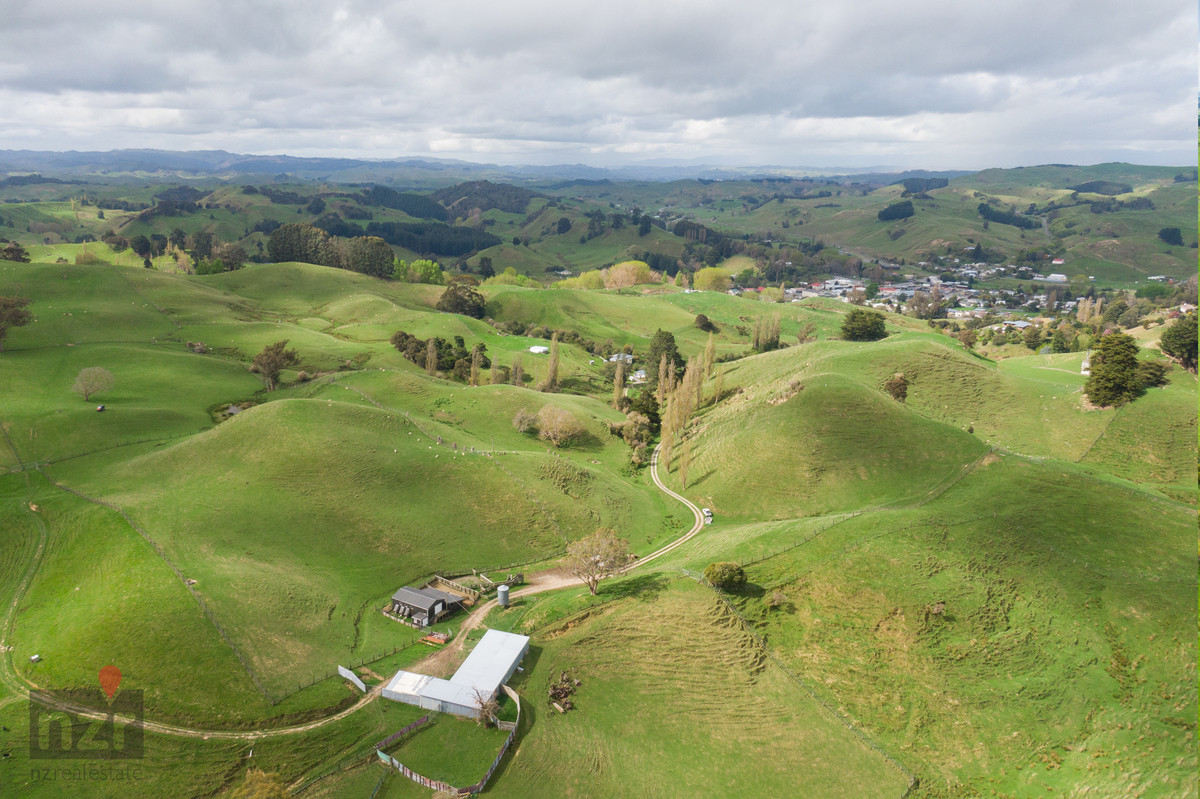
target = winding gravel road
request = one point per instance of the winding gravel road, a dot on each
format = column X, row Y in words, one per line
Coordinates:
column 438, row 662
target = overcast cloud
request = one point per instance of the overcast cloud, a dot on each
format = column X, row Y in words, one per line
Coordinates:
column 924, row 83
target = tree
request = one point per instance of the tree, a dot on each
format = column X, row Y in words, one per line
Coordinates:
column 232, row 255
column 726, row 575
column 370, row 255
column 525, row 421
column 1114, row 379
column 431, row 357
column 597, row 556
column 13, row 314
column 863, row 325
column 1033, row 337
column 463, row 300
column 1172, row 236
column 550, row 384
column 661, row 343
column 618, row 384
column 487, row 709
column 93, row 380
column 486, row 269
column 140, row 245
column 14, row 252
column 705, row 324
column 518, row 371
column 712, row 279
column 967, row 337
column 924, row 305
column 646, row 404
column 272, row 360
column 766, row 333
column 710, row 355
column 557, row 425
column 476, row 365
column 1060, row 341
column 901, row 210
column 420, row 271
column 1178, row 341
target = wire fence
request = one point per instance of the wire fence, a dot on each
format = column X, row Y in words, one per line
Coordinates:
column 438, row 785
column 208, row 613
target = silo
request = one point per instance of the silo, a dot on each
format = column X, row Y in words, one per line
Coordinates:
column 502, row 596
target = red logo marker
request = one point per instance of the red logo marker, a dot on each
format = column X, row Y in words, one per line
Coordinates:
column 110, row 680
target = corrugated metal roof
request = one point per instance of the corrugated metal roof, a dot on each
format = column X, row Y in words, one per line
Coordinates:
column 484, row 670
column 491, row 661
column 406, row 682
column 451, row 693
column 424, row 597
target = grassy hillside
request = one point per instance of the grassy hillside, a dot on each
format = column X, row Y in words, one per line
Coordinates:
column 993, row 582
column 1028, row 634
column 730, row 721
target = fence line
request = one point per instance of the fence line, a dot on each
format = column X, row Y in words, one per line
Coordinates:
column 913, row 780
column 262, row 689
column 438, row 785
column 391, row 739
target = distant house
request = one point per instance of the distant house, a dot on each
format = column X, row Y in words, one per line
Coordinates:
column 621, row 356
column 539, row 350
column 423, row 606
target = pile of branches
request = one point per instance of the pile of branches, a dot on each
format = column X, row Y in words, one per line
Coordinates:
column 562, row 690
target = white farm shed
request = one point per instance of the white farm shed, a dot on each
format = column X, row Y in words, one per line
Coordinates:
column 489, row 666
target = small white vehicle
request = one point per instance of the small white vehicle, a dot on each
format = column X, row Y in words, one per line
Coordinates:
column 708, row 517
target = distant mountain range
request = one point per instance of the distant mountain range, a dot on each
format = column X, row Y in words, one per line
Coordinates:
column 201, row 164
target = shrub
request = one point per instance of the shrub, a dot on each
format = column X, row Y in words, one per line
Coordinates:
column 897, row 387
column 725, row 575
column 863, row 325
column 525, row 421
column 558, row 426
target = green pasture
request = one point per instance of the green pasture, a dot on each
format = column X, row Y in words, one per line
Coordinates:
column 1059, row 541
column 1025, row 632
column 815, row 425
column 728, row 721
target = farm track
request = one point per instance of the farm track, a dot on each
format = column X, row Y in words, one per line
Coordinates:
column 549, row 580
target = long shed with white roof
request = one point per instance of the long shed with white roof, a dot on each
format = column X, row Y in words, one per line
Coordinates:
column 489, row 666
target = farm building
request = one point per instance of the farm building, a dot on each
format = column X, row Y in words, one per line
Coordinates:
column 489, row 666
column 424, row 606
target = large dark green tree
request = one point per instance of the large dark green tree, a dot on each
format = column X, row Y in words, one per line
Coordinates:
column 14, row 252
column 297, row 242
column 370, row 255
column 462, row 299
column 863, row 325
column 662, row 343
column 13, row 313
column 1179, row 341
column 1114, row 365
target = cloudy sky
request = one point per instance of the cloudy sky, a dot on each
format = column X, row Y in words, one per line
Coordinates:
column 923, row 83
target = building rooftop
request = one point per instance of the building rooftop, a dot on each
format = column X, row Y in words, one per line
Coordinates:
column 491, row 660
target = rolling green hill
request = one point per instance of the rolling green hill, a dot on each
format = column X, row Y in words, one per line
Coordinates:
column 989, row 586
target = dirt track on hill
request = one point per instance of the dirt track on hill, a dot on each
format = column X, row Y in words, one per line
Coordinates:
column 438, row 663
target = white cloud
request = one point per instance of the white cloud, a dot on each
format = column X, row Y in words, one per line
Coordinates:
column 762, row 81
